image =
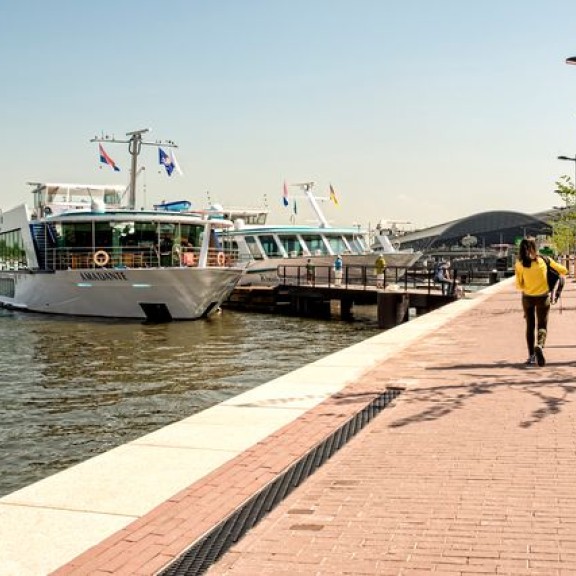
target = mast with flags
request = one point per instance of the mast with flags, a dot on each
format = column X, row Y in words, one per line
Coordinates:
column 135, row 143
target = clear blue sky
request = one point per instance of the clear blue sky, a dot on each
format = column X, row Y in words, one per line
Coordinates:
column 420, row 110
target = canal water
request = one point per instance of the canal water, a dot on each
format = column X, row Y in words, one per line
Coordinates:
column 71, row 389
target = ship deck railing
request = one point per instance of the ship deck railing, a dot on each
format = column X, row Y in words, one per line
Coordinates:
column 67, row 258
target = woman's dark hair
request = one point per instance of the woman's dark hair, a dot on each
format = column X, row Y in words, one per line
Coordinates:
column 527, row 251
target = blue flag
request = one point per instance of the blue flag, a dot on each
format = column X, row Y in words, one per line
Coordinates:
column 166, row 161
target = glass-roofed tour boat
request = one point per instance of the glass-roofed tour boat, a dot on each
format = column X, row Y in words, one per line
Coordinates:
column 271, row 250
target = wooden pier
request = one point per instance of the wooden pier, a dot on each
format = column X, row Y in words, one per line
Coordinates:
column 295, row 297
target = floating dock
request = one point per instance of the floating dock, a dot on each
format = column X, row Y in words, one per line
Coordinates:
column 393, row 305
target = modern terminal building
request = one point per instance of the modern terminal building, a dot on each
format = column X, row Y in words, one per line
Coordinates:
column 485, row 238
column 479, row 232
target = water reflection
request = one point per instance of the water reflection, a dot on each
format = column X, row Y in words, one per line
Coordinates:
column 75, row 388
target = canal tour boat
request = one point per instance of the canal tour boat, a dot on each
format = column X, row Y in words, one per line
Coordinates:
column 78, row 252
column 275, row 253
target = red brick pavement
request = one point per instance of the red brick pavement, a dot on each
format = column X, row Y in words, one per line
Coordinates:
column 471, row 471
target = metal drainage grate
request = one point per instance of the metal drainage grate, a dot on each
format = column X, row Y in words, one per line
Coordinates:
column 201, row 555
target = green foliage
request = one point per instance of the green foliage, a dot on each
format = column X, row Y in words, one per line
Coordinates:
column 565, row 189
column 564, row 226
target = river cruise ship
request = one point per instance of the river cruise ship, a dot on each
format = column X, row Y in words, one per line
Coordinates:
column 77, row 251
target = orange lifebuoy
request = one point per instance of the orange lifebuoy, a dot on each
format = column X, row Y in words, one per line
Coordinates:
column 221, row 259
column 101, row 258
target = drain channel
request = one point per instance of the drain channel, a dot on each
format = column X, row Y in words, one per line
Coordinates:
column 202, row 554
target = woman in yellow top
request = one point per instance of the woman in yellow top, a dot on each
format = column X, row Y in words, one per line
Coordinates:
column 531, row 278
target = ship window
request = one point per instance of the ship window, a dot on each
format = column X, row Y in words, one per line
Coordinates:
column 7, row 287
column 270, row 246
column 12, row 253
column 111, row 197
column 102, row 234
column 357, row 244
column 291, row 245
column 145, row 234
column 252, row 219
column 254, row 248
column 124, row 234
column 337, row 244
column 229, row 244
column 75, row 235
column 192, row 234
column 315, row 244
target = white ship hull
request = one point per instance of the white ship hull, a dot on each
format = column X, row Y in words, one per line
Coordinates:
column 174, row 293
column 74, row 254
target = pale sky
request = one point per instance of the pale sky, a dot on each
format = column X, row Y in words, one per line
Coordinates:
column 418, row 110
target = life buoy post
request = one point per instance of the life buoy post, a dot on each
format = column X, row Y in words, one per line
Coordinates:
column 101, row 258
column 221, row 259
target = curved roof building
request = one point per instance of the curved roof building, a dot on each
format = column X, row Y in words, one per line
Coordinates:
column 486, row 228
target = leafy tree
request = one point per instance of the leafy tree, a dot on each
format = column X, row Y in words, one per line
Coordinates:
column 566, row 190
column 564, row 226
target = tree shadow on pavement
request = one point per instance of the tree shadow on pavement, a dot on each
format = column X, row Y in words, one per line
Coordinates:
column 440, row 401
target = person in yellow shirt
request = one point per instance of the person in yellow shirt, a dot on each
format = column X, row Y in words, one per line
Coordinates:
column 531, row 279
column 380, row 269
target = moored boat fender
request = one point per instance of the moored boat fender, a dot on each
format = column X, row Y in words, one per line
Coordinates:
column 101, row 258
column 221, row 259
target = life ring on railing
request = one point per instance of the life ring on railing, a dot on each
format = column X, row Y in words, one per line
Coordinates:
column 101, row 258
column 221, row 258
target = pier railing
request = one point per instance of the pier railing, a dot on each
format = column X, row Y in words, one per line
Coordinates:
column 358, row 277
column 401, row 278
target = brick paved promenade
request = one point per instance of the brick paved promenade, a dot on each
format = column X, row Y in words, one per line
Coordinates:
column 471, row 470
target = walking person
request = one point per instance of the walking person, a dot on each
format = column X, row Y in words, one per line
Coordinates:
column 309, row 272
column 531, row 278
column 380, row 269
column 338, row 270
